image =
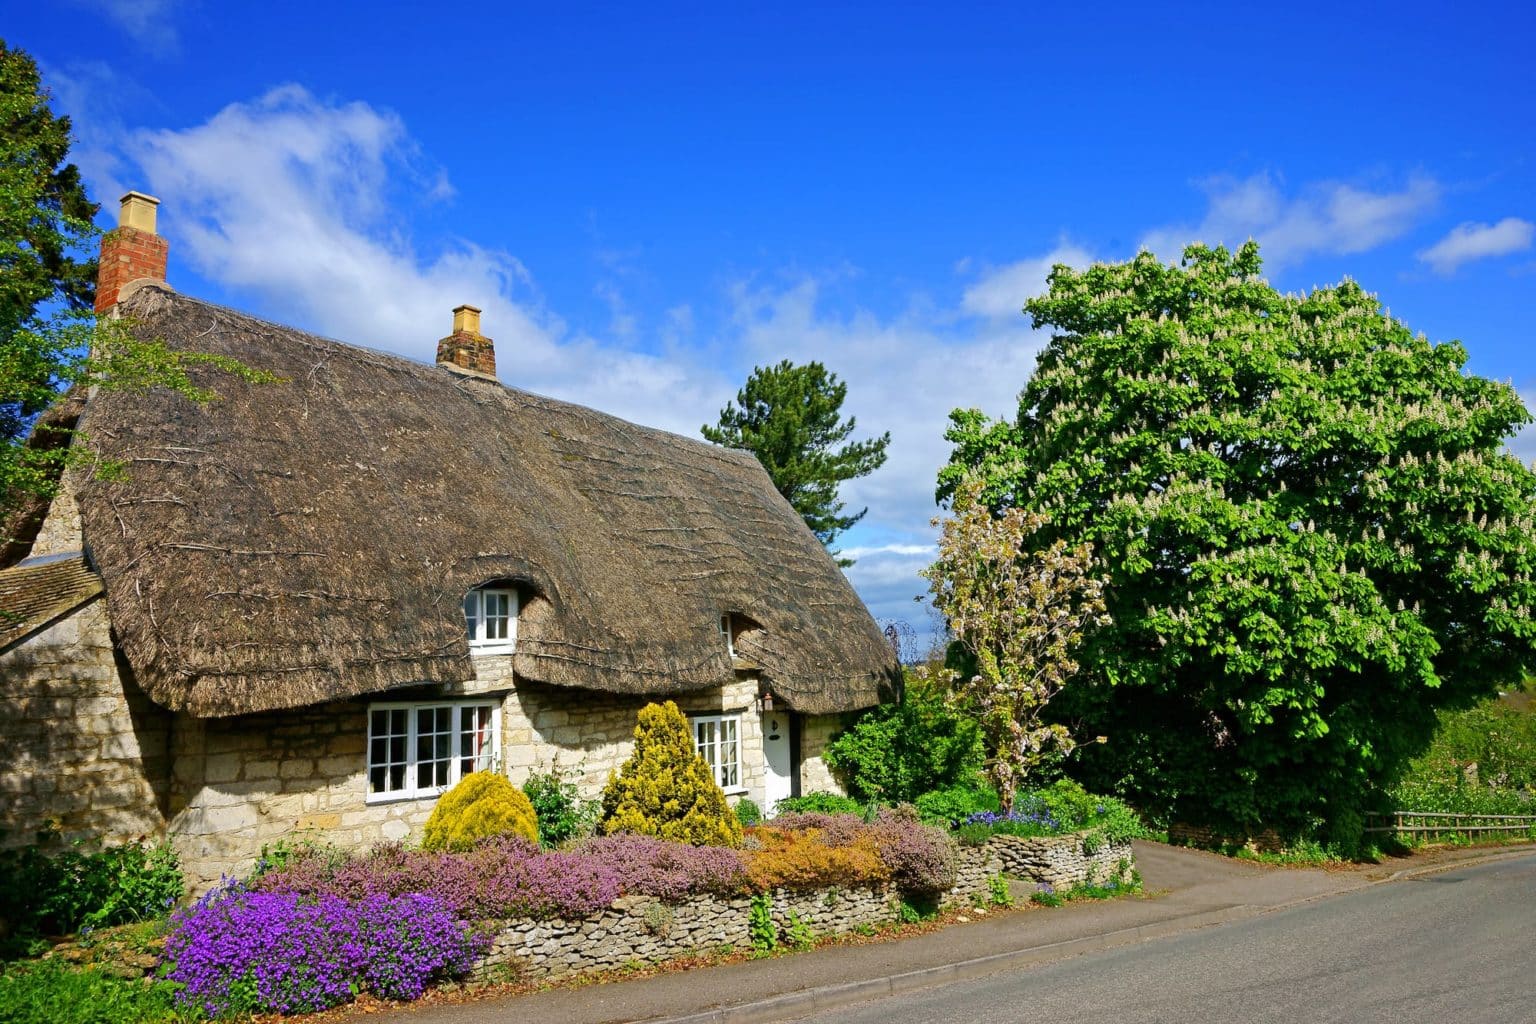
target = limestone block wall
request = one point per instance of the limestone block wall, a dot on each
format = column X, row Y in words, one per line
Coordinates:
column 82, row 750
column 239, row 783
column 60, row 532
column 816, row 732
column 646, row 930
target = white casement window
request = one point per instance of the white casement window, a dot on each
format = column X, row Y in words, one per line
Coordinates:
column 717, row 739
column 417, row 750
column 725, row 631
column 491, row 615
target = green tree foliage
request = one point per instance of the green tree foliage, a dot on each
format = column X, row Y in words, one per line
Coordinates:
column 1314, row 536
column 482, row 805
column 1018, row 609
column 1491, row 745
column 790, row 417
column 47, row 279
column 49, row 337
column 898, row 751
column 666, row 789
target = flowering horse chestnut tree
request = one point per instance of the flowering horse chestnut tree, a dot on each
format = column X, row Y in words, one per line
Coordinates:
column 1018, row 610
column 1313, row 533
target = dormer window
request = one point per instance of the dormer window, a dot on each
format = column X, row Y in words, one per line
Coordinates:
column 725, row 631
column 490, row 613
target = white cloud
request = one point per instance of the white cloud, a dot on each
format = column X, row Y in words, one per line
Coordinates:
column 292, row 200
column 1002, row 292
column 147, row 22
column 1324, row 218
column 1473, row 241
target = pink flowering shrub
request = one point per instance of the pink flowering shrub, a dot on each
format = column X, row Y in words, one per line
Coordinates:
column 511, row 877
column 669, row 871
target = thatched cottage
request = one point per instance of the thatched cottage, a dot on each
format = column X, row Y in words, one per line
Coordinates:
column 307, row 607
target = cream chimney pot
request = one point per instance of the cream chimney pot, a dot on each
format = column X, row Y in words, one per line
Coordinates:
column 466, row 320
column 138, row 212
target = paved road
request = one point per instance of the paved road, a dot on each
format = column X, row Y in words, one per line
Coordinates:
column 1456, row 946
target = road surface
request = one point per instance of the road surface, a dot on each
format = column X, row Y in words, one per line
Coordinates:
column 1455, row 946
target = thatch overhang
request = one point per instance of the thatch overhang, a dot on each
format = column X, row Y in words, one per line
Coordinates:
column 313, row 540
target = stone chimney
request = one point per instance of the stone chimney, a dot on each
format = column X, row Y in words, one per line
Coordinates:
column 466, row 350
column 131, row 253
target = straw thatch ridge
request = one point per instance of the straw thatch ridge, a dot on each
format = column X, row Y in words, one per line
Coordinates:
column 313, row 539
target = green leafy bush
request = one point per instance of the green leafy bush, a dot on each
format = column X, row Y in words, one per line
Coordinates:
column 563, row 815
column 52, row 892
column 956, row 803
column 819, row 802
column 748, row 813
column 666, row 789
column 48, row 992
column 760, row 926
column 482, row 805
column 1056, row 810
column 898, row 751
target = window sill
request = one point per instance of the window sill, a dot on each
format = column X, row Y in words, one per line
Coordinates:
column 491, row 650
column 736, row 791
column 374, row 799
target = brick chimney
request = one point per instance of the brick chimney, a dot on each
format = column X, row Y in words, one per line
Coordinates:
column 131, row 253
column 466, row 350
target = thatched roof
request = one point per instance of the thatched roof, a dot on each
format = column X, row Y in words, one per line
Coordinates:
column 34, row 594
column 312, row 540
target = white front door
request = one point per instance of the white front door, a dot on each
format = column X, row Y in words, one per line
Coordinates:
column 778, row 779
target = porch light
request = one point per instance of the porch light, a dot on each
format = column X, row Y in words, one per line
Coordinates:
column 765, row 702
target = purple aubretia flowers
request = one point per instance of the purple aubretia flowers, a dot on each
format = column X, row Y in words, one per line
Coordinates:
column 238, row 951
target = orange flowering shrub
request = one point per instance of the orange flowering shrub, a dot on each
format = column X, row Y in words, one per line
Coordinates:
column 807, row 858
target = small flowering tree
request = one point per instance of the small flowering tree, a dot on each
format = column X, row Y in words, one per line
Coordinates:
column 1019, row 612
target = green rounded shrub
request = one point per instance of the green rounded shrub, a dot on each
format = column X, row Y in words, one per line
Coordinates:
column 482, row 805
column 666, row 789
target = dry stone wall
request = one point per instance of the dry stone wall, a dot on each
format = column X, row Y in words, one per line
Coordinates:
column 643, row 929
column 1059, row 861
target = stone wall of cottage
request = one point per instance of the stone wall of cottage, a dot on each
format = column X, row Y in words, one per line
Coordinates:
column 643, row 929
column 82, row 749
column 588, row 735
column 243, row 782
column 60, row 533
column 816, row 732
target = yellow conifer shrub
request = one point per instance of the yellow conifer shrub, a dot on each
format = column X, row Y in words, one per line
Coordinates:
column 482, row 805
column 666, row 789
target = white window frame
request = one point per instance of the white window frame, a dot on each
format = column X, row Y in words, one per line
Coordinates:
column 725, row 629
column 475, row 622
column 728, row 775
column 411, row 789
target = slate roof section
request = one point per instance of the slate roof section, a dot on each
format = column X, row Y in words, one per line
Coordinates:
column 33, row 595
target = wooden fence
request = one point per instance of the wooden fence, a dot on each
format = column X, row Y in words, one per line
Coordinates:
column 1431, row 823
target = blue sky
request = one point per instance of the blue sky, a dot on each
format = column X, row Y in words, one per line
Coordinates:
column 649, row 201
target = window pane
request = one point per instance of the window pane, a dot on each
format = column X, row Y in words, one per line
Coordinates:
column 376, row 777
column 396, row 777
column 397, row 749
column 472, row 614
